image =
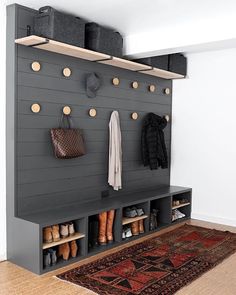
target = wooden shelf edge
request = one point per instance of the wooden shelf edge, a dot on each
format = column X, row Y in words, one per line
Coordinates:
column 162, row 73
column 76, row 236
column 62, row 48
column 181, row 205
column 83, row 53
column 127, row 220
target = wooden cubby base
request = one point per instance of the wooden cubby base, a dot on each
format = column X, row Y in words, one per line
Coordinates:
column 76, row 236
column 126, row 220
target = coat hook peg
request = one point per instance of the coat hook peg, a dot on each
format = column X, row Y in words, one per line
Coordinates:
column 115, row 81
column 151, row 88
column 66, row 110
column 167, row 117
column 134, row 84
column 167, row 91
column 66, row 72
column 35, row 108
column 36, row 66
column 92, row 112
column 134, row 116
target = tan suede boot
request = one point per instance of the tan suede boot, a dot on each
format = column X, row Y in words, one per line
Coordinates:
column 102, row 239
column 47, row 234
column 64, row 251
column 110, row 220
column 64, row 230
column 71, row 228
column 73, row 248
column 55, row 233
column 135, row 228
column 141, row 226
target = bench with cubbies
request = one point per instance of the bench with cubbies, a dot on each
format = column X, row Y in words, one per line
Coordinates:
column 160, row 199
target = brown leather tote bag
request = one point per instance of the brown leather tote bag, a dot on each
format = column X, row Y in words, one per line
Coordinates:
column 68, row 142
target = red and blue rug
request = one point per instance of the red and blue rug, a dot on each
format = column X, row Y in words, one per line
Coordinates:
column 161, row 265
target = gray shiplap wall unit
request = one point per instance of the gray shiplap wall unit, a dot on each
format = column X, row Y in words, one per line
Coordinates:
column 44, row 182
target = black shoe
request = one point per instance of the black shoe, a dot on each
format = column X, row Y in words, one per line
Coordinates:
column 130, row 212
column 93, row 232
column 53, row 255
column 46, row 259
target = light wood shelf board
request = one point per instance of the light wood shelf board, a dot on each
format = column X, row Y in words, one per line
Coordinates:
column 76, row 236
column 162, row 74
column 126, row 220
column 78, row 52
column 62, row 48
column 30, row 40
column 125, row 64
column 181, row 205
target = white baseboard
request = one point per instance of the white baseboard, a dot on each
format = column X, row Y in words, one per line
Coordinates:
column 214, row 219
column 3, row 257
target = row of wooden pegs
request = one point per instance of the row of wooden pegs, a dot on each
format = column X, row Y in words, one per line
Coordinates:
column 36, row 108
column 67, row 72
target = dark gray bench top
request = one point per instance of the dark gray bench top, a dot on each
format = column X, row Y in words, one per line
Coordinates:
column 76, row 211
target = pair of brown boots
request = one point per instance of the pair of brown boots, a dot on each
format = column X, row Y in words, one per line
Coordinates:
column 137, row 227
column 66, row 249
column 106, row 220
column 51, row 234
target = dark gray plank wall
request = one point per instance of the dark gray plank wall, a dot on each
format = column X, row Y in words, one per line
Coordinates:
column 42, row 180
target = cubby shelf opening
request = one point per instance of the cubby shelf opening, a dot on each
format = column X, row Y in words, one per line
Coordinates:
column 181, row 205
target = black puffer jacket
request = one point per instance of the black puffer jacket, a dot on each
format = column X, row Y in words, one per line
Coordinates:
column 154, row 151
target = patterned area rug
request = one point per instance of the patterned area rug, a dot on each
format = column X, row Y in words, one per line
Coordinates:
column 161, row 265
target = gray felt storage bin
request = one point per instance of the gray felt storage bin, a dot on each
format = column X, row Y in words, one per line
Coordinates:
column 160, row 62
column 103, row 40
column 59, row 26
column 178, row 63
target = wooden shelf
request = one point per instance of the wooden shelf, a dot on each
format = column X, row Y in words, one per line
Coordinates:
column 126, row 64
column 78, row 52
column 162, row 73
column 62, row 48
column 181, row 205
column 126, row 220
column 76, row 236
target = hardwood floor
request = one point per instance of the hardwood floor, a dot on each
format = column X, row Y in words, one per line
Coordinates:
column 17, row 281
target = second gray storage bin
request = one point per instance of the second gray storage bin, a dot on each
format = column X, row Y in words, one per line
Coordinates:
column 103, row 40
column 59, row 26
column 160, row 62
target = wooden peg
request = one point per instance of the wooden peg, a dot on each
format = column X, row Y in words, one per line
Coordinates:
column 167, row 91
column 152, row 88
column 134, row 116
column 35, row 66
column 115, row 81
column 167, row 117
column 134, row 84
column 92, row 112
column 66, row 72
column 66, row 110
column 35, row 108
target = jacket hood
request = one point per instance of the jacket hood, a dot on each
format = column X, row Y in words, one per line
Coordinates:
column 155, row 121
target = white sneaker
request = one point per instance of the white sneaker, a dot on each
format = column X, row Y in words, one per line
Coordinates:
column 123, row 234
column 128, row 233
column 180, row 214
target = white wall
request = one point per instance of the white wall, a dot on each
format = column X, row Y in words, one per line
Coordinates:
column 204, row 135
column 2, row 134
column 201, row 35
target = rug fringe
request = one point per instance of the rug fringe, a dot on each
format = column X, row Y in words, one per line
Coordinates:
column 78, row 286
